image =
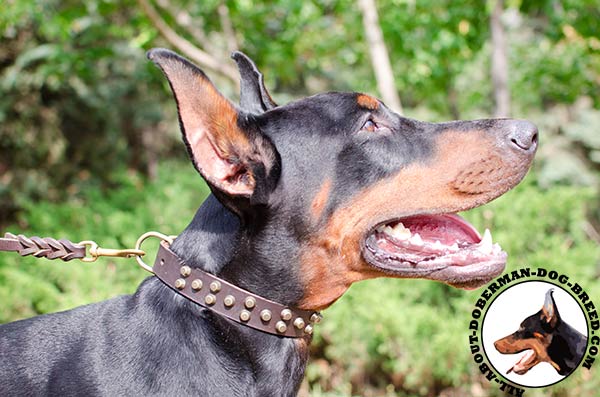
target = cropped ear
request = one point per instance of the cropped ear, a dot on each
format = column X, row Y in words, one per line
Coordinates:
column 549, row 313
column 254, row 96
column 234, row 160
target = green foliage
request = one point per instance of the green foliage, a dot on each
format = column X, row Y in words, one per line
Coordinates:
column 431, row 42
column 570, row 150
column 553, row 72
column 112, row 218
column 299, row 45
column 77, row 94
column 84, row 117
column 74, row 96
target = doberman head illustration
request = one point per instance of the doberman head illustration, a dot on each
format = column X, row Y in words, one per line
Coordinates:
column 545, row 337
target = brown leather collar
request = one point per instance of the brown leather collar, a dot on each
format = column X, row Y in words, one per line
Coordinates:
column 226, row 299
column 197, row 285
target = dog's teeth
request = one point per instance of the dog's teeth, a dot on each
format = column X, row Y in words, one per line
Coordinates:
column 380, row 228
column 437, row 245
column 399, row 227
column 400, row 232
column 388, row 230
column 454, row 247
column 416, row 239
column 486, row 245
column 404, row 235
column 485, row 249
column 487, row 236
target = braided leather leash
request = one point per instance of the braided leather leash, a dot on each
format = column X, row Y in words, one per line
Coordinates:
column 198, row 286
column 45, row 247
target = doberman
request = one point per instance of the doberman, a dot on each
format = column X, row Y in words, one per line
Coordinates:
column 307, row 198
column 546, row 338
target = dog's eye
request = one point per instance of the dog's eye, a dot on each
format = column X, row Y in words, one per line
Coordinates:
column 370, row 126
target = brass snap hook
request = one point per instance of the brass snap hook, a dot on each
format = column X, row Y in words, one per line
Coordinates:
column 96, row 251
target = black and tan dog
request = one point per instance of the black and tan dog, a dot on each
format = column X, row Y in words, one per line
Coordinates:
column 307, row 198
column 546, row 338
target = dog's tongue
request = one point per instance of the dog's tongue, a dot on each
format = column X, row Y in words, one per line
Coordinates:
column 523, row 364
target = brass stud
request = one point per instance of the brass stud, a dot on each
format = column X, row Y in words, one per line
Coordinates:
column 197, row 284
column 210, row 299
column 215, row 287
column 245, row 315
column 280, row 327
column 316, row 318
column 265, row 315
column 180, row 283
column 286, row 314
column 229, row 300
column 308, row 329
column 250, row 302
column 185, row 271
column 299, row 323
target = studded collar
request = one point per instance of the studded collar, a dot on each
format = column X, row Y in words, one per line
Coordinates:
column 224, row 298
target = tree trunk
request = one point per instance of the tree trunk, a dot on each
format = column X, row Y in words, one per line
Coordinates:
column 190, row 50
column 227, row 27
column 452, row 100
column 379, row 55
column 499, row 62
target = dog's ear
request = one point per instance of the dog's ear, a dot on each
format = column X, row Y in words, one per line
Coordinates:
column 549, row 313
column 234, row 159
column 254, row 97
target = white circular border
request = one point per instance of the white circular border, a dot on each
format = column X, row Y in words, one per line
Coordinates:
column 506, row 313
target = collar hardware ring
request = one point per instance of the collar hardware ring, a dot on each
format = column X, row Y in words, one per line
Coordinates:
column 141, row 239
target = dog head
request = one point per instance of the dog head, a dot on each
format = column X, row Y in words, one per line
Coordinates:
column 342, row 188
column 533, row 336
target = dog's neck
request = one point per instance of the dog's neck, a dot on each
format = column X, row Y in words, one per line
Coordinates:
column 213, row 242
column 210, row 240
column 216, row 242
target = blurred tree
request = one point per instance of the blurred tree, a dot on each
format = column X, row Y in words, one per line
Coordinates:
column 432, row 42
column 77, row 92
column 76, row 98
column 558, row 46
column 208, row 57
column 499, row 61
column 379, row 55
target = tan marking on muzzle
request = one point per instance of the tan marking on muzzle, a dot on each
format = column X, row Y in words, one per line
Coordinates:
column 466, row 170
column 510, row 345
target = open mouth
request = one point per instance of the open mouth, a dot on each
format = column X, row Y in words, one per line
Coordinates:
column 442, row 247
column 524, row 364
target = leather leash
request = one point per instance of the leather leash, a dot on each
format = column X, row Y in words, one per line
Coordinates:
column 200, row 287
column 42, row 247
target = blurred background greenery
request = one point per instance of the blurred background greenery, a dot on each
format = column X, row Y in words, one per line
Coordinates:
column 90, row 149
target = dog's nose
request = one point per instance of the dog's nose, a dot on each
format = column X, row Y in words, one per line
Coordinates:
column 523, row 135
